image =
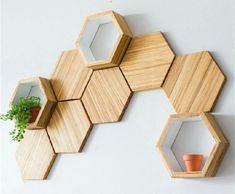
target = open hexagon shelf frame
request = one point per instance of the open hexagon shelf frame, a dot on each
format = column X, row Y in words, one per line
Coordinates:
column 91, row 89
column 104, row 39
column 170, row 134
column 39, row 87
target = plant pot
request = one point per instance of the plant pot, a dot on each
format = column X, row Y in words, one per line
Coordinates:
column 193, row 162
column 34, row 111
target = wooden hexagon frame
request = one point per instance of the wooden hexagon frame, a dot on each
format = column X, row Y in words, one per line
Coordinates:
column 87, row 37
column 37, row 86
column 151, row 52
column 169, row 135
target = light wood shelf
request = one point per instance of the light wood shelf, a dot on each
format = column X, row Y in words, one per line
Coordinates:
column 170, row 134
column 147, row 61
column 70, row 76
column 40, row 87
column 103, row 39
column 69, row 127
column 194, row 82
column 35, row 155
column 106, row 96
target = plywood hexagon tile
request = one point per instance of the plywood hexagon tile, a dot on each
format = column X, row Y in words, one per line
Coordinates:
column 39, row 87
column 69, row 127
column 35, row 155
column 70, row 76
column 103, row 39
column 147, row 61
column 171, row 133
column 106, row 96
column 194, row 82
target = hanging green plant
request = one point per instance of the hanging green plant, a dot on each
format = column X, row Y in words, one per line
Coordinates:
column 22, row 112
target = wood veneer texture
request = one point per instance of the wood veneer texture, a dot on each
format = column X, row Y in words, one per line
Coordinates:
column 70, row 76
column 147, row 61
column 35, row 155
column 69, row 127
column 106, row 96
column 194, row 82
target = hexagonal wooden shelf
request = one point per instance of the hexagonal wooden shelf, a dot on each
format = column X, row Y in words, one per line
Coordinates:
column 194, row 82
column 39, row 87
column 103, row 39
column 69, row 127
column 70, row 76
column 106, row 96
column 35, row 155
column 171, row 133
column 147, row 61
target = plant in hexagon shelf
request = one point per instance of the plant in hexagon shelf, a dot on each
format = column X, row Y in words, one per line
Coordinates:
column 31, row 105
column 183, row 140
column 104, row 39
column 23, row 112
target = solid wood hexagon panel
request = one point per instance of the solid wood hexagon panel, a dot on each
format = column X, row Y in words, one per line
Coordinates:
column 41, row 88
column 70, row 76
column 147, row 61
column 106, row 96
column 69, row 127
column 103, row 39
column 194, row 82
column 170, row 134
column 35, row 155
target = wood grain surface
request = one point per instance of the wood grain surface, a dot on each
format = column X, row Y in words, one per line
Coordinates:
column 147, row 61
column 70, row 76
column 35, row 155
column 194, row 82
column 69, row 127
column 106, row 96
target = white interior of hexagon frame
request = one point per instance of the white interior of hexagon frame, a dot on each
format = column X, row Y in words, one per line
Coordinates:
column 99, row 38
column 187, row 136
column 27, row 90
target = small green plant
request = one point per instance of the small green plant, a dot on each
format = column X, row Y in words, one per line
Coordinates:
column 20, row 113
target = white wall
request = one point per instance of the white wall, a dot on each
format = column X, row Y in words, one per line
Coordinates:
column 118, row 158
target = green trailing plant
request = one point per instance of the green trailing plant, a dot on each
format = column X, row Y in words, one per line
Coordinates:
column 20, row 113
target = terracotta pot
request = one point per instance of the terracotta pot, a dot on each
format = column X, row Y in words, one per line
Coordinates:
column 34, row 113
column 193, row 162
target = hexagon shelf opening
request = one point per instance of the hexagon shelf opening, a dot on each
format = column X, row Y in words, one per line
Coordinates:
column 104, row 39
column 41, row 88
column 206, row 138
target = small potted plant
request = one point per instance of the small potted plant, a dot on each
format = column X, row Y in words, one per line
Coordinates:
column 23, row 112
column 193, row 162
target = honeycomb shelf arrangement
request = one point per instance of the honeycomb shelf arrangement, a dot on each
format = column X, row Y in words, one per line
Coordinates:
column 93, row 83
